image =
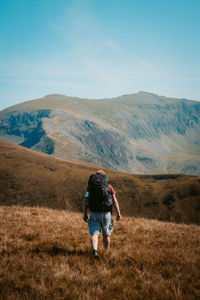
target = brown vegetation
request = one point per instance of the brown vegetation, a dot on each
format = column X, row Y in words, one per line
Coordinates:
column 45, row 254
column 29, row 178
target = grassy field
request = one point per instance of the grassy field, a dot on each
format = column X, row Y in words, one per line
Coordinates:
column 45, row 254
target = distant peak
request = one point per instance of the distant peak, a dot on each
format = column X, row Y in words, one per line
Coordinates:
column 142, row 92
column 146, row 93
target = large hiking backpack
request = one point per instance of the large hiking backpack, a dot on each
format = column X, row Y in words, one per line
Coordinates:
column 100, row 200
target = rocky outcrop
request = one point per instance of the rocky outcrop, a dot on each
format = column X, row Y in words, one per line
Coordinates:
column 28, row 127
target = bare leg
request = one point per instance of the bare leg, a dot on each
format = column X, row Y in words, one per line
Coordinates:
column 94, row 241
column 106, row 242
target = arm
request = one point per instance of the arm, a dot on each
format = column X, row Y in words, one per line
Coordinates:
column 116, row 206
column 85, row 210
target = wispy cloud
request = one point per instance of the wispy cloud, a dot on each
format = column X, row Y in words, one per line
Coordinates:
column 43, row 82
column 144, row 63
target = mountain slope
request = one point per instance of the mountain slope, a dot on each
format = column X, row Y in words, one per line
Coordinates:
column 139, row 133
column 30, row 178
column 46, row 254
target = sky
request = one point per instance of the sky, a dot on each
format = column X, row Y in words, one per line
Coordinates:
column 98, row 48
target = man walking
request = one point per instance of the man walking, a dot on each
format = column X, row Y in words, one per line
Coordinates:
column 100, row 197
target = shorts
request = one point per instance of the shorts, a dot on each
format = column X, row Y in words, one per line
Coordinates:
column 100, row 221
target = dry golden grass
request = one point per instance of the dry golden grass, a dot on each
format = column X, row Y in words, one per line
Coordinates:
column 45, row 254
column 29, row 178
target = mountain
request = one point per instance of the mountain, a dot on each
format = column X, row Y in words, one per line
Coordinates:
column 140, row 133
column 30, row 178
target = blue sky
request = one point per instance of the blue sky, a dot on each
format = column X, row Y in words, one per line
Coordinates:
column 98, row 48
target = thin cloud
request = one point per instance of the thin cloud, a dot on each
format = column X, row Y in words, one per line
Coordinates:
column 113, row 45
column 144, row 63
column 43, row 82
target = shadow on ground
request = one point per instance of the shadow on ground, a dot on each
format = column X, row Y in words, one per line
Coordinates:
column 55, row 251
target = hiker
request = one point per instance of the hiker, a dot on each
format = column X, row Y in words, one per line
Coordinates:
column 99, row 199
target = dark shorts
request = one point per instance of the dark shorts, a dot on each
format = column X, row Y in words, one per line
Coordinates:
column 100, row 222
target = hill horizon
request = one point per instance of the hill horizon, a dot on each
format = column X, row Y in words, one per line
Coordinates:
column 141, row 92
column 30, row 178
column 102, row 98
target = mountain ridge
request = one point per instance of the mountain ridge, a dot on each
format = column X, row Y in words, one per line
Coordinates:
column 138, row 133
column 143, row 93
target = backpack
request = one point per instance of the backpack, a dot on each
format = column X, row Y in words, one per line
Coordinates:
column 100, row 200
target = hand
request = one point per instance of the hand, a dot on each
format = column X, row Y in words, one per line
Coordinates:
column 85, row 218
column 118, row 216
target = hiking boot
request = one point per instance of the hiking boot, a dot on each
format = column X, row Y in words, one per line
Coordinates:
column 95, row 254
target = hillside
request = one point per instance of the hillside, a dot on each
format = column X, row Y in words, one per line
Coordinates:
column 141, row 133
column 30, row 178
column 45, row 254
